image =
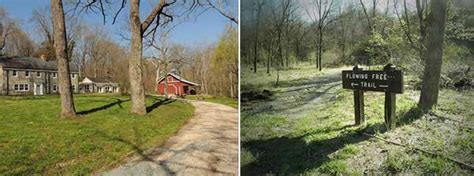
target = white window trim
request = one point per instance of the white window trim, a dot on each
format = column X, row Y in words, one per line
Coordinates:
column 29, row 74
column 73, row 76
column 55, row 88
column 14, row 73
column 55, row 75
column 38, row 74
column 26, row 87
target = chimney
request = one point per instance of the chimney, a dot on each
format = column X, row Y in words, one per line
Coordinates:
column 43, row 57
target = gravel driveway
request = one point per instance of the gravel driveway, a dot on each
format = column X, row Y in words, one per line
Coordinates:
column 206, row 145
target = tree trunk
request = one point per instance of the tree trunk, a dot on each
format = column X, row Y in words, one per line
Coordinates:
column 256, row 44
column 320, row 46
column 435, row 39
column 268, row 64
column 135, row 63
column 60, row 45
column 165, row 92
column 231, row 85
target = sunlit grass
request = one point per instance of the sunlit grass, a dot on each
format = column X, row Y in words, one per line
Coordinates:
column 34, row 140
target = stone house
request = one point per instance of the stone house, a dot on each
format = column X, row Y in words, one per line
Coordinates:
column 98, row 85
column 31, row 76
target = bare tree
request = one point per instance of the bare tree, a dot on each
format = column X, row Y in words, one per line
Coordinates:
column 258, row 10
column 219, row 6
column 18, row 43
column 434, row 58
column 168, row 55
column 319, row 12
column 60, row 45
column 6, row 24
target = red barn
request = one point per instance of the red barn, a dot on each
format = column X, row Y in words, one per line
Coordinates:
column 176, row 86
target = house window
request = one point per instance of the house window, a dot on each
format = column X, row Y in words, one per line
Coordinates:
column 73, row 76
column 27, row 73
column 14, row 73
column 21, row 87
column 73, row 88
column 38, row 74
column 55, row 88
column 55, row 75
column 106, row 89
column 170, row 79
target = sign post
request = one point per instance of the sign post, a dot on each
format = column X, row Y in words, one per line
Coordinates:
column 359, row 103
column 388, row 80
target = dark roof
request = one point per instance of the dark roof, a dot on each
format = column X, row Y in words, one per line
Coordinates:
column 31, row 63
column 178, row 78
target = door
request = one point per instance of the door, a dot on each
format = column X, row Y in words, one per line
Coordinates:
column 38, row 89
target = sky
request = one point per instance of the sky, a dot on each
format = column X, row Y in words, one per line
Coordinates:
column 205, row 28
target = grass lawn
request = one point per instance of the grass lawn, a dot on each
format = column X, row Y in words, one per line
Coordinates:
column 306, row 127
column 232, row 102
column 34, row 140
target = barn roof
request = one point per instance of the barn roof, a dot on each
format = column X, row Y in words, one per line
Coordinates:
column 178, row 78
column 31, row 63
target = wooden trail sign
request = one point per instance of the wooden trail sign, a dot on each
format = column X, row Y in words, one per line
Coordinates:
column 388, row 80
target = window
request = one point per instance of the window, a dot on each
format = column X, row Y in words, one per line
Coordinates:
column 170, row 79
column 55, row 75
column 21, row 87
column 38, row 74
column 73, row 88
column 27, row 73
column 55, row 88
column 106, row 89
column 73, row 76
column 14, row 73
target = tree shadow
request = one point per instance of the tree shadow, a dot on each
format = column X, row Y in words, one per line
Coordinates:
column 414, row 113
column 294, row 155
column 136, row 145
column 107, row 106
column 158, row 103
column 140, row 153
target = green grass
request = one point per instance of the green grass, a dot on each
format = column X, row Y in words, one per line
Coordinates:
column 232, row 102
column 34, row 140
column 321, row 139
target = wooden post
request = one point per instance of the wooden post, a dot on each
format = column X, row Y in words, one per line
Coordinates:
column 359, row 103
column 390, row 116
column 390, row 102
column 359, row 107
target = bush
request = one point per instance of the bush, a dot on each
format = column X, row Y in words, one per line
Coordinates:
column 373, row 50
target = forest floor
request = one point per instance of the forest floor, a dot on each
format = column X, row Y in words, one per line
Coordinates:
column 34, row 140
column 206, row 145
column 306, row 126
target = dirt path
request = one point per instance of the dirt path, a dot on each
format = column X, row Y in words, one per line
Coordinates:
column 296, row 97
column 206, row 145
